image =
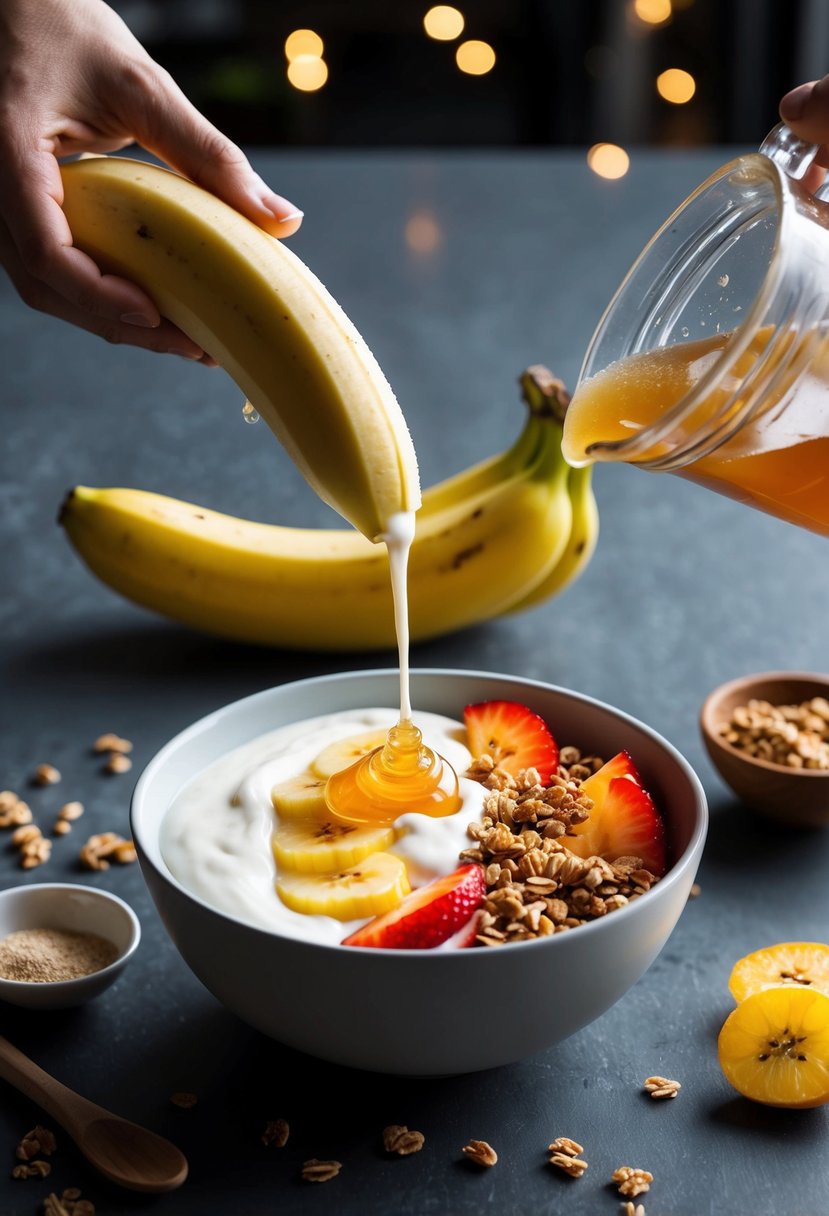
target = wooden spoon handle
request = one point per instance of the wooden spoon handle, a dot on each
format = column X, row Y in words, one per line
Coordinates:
column 57, row 1100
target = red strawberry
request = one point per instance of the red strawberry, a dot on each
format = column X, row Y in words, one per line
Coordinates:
column 624, row 821
column 513, row 735
column 430, row 915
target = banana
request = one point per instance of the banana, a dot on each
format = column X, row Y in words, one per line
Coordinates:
column 345, row 752
column 484, row 540
column 257, row 309
column 318, row 846
column 302, row 796
column 369, row 888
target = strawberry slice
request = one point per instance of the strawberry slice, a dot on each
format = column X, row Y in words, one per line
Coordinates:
column 624, row 821
column 430, row 915
column 513, row 735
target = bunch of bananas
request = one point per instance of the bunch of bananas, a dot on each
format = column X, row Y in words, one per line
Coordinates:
column 499, row 537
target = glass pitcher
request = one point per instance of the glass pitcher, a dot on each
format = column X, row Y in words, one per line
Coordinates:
column 712, row 358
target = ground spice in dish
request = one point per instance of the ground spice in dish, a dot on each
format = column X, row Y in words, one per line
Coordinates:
column 44, row 956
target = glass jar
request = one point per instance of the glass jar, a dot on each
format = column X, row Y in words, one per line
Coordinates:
column 712, row 358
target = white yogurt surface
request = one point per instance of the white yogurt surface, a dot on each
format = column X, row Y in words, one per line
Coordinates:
column 216, row 836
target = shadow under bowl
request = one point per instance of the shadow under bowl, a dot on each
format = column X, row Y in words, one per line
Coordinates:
column 796, row 796
column 421, row 1012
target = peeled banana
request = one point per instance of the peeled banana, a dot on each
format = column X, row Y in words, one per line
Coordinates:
column 500, row 536
column 257, row 309
column 372, row 886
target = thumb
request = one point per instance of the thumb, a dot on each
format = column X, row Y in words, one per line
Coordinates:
column 806, row 110
column 172, row 128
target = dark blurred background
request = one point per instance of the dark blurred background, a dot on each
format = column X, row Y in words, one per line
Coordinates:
column 537, row 72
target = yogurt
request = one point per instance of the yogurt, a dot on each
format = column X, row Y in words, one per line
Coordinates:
column 216, row 835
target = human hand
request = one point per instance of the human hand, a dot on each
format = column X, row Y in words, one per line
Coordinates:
column 74, row 79
column 805, row 110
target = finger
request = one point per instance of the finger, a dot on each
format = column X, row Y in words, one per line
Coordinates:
column 169, row 126
column 165, row 337
column 806, row 110
column 32, row 194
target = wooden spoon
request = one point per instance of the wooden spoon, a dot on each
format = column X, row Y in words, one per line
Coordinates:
column 125, row 1153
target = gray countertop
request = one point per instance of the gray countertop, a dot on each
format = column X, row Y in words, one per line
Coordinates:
column 686, row 589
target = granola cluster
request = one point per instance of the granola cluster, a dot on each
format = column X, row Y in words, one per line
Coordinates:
column 794, row 736
column 536, row 885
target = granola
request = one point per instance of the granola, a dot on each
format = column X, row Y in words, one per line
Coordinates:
column 399, row 1139
column 793, row 736
column 481, row 1153
column 104, row 847
column 38, row 1140
column 276, row 1133
column 320, row 1171
column 661, row 1087
column 632, row 1181
column 69, row 1203
column 536, row 886
column 183, row 1100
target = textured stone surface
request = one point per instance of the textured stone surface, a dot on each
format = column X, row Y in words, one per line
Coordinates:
column 687, row 589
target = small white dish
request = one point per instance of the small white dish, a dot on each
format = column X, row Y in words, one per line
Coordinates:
column 75, row 909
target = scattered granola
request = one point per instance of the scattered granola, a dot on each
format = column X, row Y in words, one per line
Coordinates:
column 632, row 1181
column 695, row 890
column 32, row 1169
column 14, row 812
column 38, row 1140
column 46, row 774
column 68, row 1204
column 628, row 1209
column 33, row 846
column 118, row 763
column 320, row 1171
column 276, row 1133
column 536, row 886
column 399, row 1139
column 661, row 1087
column 184, row 1100
column 481, row 1153
column 112, row 743
column 574, row 1166
column 99, row 850
column 793, row 736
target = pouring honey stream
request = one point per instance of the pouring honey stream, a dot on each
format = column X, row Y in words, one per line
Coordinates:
column 402, row 775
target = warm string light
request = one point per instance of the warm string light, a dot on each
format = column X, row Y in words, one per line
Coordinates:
column 444, row 23
column 307, row 70
column 653, row 12
column 676, row 86
column 608, row 160
column 474, row 57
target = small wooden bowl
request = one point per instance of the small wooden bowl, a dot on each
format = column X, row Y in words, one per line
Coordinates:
column 798, row 796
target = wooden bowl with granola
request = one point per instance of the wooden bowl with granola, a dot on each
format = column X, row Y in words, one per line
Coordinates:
column 767, row 735
column 562, row 933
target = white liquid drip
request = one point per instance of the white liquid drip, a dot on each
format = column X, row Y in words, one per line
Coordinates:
column 398, row 540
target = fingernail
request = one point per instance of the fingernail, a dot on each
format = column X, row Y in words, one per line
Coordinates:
column 794, row 103
column 140, row 318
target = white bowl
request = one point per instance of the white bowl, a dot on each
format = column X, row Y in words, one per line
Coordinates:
column 77, row 909
column 420, row 1012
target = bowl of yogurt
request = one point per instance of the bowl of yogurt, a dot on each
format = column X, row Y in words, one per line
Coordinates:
column 204, row 825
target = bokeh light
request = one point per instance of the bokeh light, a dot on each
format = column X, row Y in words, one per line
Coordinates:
column 608, row 160
column 307, row 73
column 475, row 58
column 443, row 22
column 303, row 42
column 423, row 233
column 653, row 12
column 676, row 86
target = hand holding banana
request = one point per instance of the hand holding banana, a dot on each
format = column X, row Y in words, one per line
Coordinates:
column 498, row 537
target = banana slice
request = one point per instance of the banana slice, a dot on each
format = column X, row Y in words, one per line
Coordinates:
column 301, row 796
column 343, row 752
column 314, row 846
column 371, row 887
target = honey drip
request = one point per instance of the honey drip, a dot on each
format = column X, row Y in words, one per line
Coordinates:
column 403, row 775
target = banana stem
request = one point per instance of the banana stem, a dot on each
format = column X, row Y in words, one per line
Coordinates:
column 544, row 393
